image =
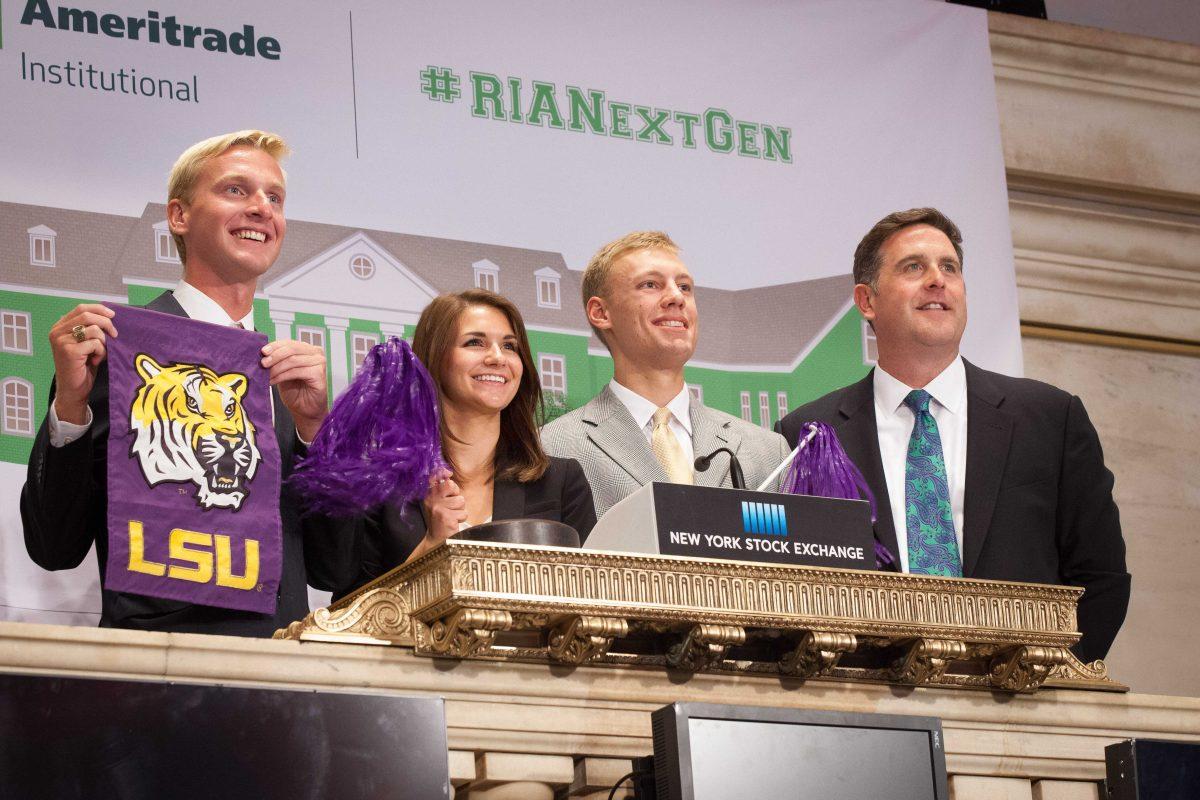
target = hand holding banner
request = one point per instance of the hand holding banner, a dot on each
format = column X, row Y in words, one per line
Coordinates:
column 193, row 464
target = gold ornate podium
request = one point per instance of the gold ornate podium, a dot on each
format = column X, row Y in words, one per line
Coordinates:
column 566, row 606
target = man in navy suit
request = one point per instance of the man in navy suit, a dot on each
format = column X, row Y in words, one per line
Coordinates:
column 225, row 212
column 976, row 474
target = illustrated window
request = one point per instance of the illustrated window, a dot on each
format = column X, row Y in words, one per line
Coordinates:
column 15, row 325
column 553, row 372
column 41, row 247
column 18, row 407
column 310, row 335
column 361, row 344
column 362, row 267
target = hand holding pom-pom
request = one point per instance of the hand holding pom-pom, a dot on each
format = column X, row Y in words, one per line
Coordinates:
column 445, row 507
column 380, row 442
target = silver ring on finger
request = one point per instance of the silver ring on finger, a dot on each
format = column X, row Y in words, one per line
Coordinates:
column 78, row 333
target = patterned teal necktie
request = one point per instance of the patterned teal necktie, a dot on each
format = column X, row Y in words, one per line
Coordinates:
column 932, row 548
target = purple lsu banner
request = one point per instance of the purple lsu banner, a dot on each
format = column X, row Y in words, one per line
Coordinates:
column 193, row 464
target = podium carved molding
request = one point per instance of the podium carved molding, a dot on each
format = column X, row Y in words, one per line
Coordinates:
column 704, row 646
column 817, row 653
column 926, row 661
column 580, row 639
column 557, row 605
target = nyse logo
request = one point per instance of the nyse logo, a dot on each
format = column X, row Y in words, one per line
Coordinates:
column 764, row 518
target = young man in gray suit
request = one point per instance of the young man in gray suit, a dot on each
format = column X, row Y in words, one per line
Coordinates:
column 644, row 426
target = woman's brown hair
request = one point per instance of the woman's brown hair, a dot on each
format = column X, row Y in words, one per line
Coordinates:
column 519, row 454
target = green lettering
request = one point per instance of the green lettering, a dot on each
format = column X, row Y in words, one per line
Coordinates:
column 747, row 133
column 618, row 114
column 653, row 127
column 587, row 110
column 514, row 99
column 777, row 144
column 689, row 123
column 719, row 139
column 485, row 91
column 545, row 106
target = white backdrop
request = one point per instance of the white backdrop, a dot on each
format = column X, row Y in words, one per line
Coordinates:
column 890, row 105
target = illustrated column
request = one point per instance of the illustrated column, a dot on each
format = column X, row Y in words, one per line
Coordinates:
column 282, row 320
column 390, row 329
column 339, row 369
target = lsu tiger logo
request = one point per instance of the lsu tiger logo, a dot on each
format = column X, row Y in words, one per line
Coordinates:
column 190, row 426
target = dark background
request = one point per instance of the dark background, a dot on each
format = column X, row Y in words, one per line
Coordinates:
column 68, row 738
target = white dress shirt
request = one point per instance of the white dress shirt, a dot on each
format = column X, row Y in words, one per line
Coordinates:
column 895, row 423
column 197, row 305
column 642, row 411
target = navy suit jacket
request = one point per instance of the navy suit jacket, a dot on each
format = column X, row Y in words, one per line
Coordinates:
column 1038, row 503
column 64, row 510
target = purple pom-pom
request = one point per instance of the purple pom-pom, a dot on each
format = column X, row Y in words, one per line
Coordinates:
column 822, row 469
column 380, row 442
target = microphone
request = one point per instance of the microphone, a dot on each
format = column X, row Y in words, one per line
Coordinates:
column 735, row 469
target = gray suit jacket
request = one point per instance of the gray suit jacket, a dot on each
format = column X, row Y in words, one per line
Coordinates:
column 616, row 457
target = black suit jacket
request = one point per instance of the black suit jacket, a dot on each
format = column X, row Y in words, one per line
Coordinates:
column 1038, row 503
column 561, row 494
column 64, row 510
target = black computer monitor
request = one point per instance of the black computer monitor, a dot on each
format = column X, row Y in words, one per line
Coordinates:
column 79, row 738
column 1152, row 769
column 716, row 752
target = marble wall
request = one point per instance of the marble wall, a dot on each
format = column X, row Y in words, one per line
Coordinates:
column 1101, row 136
column 1145, row 407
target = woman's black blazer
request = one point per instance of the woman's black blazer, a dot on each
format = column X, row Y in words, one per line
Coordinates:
column 561, row 494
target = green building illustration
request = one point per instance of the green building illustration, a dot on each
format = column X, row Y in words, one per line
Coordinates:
column 762, row 350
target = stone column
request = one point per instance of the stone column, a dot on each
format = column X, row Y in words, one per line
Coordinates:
column 1066, row 790
column 338, row 359
column 595, row 777
column 982, row 787
column 518, row 776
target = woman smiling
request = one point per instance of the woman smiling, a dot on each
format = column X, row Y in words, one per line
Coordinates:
column 474, row 345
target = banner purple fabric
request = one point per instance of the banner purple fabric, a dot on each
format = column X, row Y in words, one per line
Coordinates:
column 193, row 464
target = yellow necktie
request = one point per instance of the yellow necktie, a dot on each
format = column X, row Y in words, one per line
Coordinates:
column 667, row 450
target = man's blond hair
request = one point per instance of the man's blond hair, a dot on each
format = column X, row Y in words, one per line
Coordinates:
column 181, row 184
column 595, row 276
